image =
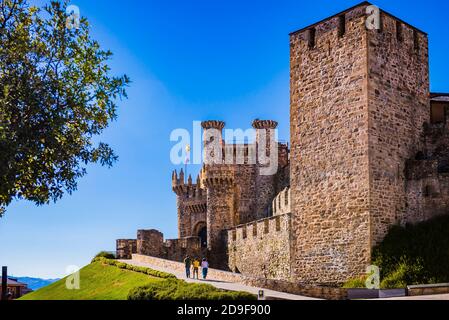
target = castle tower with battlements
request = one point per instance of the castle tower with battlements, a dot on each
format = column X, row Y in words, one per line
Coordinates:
column 359, row 102
column 227, row 194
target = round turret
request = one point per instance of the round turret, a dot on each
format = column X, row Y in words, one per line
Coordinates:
column 265, row 124
column 213, row 124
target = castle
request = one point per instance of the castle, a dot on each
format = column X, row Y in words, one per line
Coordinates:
column 368, row 151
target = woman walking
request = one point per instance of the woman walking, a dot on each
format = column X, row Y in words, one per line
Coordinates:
column 205, row 267
column 196, row 266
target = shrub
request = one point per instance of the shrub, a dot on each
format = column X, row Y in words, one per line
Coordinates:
column 357, row 283
column 181, row 290
column 104, row 254
column 405, row 273
column 415, row 254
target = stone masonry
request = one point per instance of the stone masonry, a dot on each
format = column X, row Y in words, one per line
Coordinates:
column 262, row 248
column 364, row 95
column 369, row 150
column 126, row 248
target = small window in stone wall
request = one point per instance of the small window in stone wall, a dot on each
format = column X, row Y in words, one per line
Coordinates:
column 431, row 191
column 420, row 156
column 234, row 235
column 311, row 38
column 341, row 25
column 427, row 192
column 278, row 223
column 399, row 35
column 443, row 166
column 255, row 230
column 245, row 232
column 416, row 40
column 267, row 226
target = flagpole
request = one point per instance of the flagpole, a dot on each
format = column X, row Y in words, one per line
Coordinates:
column 187, row 160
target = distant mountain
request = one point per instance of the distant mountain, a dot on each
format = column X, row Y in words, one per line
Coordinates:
column 35, row 283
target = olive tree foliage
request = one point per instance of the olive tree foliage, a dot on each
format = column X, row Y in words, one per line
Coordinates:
column 56, row 95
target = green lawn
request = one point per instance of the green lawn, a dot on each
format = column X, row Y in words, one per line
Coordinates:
column 98, row 282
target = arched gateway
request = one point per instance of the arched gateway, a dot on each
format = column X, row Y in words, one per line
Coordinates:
column 200, row 230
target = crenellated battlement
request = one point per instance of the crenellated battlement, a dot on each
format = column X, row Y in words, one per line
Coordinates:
column 213, row 124
column 187, row 190
column 217, row 175
column 282, row 203
column 240, row 152
column 336, row 27
column 261, row 248
column 261, row 228
column 264, row 124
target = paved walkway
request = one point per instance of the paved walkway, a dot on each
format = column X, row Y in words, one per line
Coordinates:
column 224, row 285
column 434, row 297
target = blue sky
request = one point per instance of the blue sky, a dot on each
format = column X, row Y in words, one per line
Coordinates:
column 188, row 60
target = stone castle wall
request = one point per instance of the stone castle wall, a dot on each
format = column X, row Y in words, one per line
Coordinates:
column 152, row 243
column 427, row 175
column 398, row 93
column 261, row 249
column 126, row 248
column 282, row 203
column 360, row 100
column 329, row 145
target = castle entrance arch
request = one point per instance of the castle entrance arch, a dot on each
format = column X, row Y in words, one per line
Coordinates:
column 200, row 231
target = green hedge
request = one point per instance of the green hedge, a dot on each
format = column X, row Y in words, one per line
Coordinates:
column 148, row 271
column 181, row 290
column 415, row 254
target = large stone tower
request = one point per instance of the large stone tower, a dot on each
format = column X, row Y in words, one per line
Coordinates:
column 359, row 101
column 219, row 181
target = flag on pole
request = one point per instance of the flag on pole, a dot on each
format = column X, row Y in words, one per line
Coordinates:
column 187, row 154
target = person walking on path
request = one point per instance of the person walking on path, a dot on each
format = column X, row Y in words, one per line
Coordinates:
column 188, row 264
column 196, row 267
column 205, row 268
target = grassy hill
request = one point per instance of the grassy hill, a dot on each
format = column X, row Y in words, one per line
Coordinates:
column 108, row 279
column 99, row 281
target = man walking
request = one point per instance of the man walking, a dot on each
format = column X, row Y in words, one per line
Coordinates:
column 188, row 264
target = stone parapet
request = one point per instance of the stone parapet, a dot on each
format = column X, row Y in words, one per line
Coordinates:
column 126, row 248
column 261, row 248
column 282, row 203
column 217, row 175
column 149, row 242
column 426, row 290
